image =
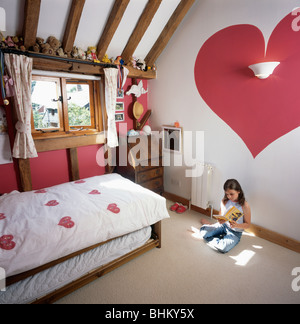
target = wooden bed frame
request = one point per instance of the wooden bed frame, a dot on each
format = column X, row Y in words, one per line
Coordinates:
column 154, row 242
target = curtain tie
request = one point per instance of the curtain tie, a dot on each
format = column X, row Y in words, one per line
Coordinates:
column 23, row 127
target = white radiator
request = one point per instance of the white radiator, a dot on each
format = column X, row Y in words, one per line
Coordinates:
column 202, row 185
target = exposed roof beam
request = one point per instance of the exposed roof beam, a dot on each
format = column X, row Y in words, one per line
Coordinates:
column 72, row 25
column 177, row 17
column 112, row 24
column 140, row 29
column 31, row 22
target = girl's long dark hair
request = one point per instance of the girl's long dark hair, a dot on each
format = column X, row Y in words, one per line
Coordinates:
column 233, row 184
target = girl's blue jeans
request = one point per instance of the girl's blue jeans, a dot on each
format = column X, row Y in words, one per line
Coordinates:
column 220, row 237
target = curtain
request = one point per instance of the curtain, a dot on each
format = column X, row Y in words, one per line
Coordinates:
column 19, row 68
column 111, row 86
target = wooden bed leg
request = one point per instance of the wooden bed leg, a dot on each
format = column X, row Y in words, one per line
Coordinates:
column 157, row 231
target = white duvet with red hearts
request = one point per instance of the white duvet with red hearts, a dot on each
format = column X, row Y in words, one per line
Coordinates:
column 40, row 226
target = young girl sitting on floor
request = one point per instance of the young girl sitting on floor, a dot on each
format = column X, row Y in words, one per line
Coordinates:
column 224, row 236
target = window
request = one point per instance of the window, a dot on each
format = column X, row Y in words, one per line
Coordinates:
column 64, row 106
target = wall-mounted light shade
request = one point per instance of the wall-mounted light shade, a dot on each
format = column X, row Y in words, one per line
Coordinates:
column 264, row 70
column 2, row 20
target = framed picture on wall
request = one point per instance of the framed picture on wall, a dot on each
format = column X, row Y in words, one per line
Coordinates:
column 120, row 94
column 172, row 139
column 120, row 117
column 120, row 106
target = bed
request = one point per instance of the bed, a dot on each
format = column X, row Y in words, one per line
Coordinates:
column 55, row 240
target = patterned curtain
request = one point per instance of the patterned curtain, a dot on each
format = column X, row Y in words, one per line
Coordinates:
column 19, row 68
column 111, row 87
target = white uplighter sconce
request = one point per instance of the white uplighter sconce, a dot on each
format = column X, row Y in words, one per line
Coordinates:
column 264, row 70
column 2, row 19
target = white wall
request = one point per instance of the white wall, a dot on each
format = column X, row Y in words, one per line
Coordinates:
column 271, row 181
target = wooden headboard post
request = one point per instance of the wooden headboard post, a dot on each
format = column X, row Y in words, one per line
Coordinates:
column 25, row 171
column 25, row 174
column 74, row 166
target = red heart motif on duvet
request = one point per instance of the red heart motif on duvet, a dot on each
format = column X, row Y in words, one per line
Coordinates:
column 79, row 181
column 66, row 222
column 42, row 191
column 95, row 192
column 2, row 216
column 6, row 242
column 259, row 111
column 52, row 203
column 113, row 208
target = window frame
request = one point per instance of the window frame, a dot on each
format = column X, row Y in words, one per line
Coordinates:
column 64, row 130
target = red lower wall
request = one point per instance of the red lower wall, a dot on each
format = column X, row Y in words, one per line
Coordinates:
column 51, row 168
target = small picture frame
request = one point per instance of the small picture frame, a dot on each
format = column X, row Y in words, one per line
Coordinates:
column 119, row 106
column 120, row 94
column 172, row 139
column 120, row 117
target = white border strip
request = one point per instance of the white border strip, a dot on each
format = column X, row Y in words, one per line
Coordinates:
column 66, row 75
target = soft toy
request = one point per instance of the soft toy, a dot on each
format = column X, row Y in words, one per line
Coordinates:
column 119, row 61
column 68, row 54
column 9, row 42
column 132, row 62
column 21, row 44
column 137, row 90
column 141, row 65
column 74, row 52
column 81, row 54
column 106, row 59
column 89, row 56
column 54, row 43
column 2, row 40
column 46, row 49
column 92, row 53
column 38, row 45
column 15, row 39
column 61, row 53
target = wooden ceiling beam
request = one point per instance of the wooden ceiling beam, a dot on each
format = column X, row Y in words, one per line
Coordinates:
column 112, row 24
column 140, row 29
column 177, row 17
column 72, row 25
column 31, row 22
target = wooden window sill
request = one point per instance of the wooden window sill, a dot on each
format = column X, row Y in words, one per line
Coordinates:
column 61, row 141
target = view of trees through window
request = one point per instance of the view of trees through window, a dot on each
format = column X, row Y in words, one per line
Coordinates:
column 62, row 104
column 45, row 110
column 79, row 105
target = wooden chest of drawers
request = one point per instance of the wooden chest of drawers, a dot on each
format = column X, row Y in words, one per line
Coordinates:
column 143, row 162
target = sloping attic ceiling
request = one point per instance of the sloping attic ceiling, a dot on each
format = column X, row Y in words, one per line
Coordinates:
column 98, row 18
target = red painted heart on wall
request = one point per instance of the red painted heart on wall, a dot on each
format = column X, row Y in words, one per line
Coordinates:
column 259, row 111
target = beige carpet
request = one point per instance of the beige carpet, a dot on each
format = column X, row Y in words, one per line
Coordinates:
column 187, row 271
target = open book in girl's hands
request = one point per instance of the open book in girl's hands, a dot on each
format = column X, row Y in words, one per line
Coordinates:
column 233, row 214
